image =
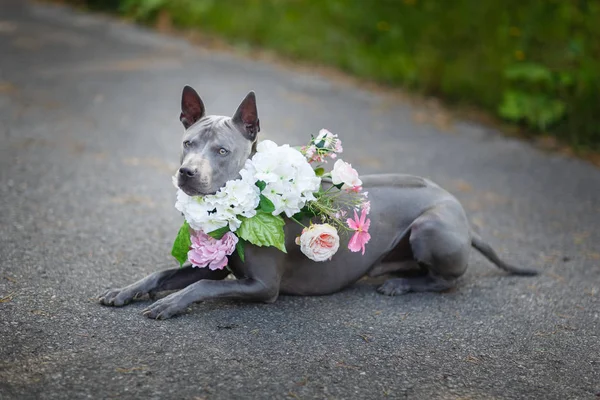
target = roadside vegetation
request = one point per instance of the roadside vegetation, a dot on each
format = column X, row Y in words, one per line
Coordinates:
column 534, row 63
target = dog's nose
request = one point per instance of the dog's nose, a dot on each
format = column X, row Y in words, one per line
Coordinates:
column 187, row 172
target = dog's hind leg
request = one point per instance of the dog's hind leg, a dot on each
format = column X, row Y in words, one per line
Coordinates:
column 171, row 279
column 440, row 243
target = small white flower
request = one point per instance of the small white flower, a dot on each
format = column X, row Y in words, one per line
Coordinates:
column 319, row 242
column 324, row 134
column 208, row 213
column 344, row 173
column 289, row 178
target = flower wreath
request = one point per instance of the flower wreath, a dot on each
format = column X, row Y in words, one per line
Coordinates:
column 278, row 182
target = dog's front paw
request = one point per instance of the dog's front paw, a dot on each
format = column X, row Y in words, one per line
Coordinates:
column 166, row 307
column 394, row 287
column 119, row 297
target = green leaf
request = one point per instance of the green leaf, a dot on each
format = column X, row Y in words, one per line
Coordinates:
column 528, row 72
column 263, row 229
column 319, row 171
column 261, row 185
column 304, row 213
column 265, row 204
column 240, row 249
column 219, row 233
column 182, row 244
column 513, row 107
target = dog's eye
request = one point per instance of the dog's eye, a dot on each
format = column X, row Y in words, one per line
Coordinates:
column 187, row 144
column 223, row 151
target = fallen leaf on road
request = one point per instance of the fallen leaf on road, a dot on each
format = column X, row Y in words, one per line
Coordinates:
column 364, row 337
column 7, row 298
column 564, row 316
column 566, row 327
column 342, row 364
column 472, row 359
column 463, row 186
column 6, row 87
column 303, row 382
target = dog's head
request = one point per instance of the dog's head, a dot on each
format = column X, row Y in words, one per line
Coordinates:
column 214, row 148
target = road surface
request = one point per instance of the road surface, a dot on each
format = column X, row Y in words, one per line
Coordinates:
column 89, row 126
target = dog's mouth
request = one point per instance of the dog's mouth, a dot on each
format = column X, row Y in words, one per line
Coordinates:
column 191, row 191
column 188, row 189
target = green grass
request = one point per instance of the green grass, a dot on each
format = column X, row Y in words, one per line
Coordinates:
column 533, row 62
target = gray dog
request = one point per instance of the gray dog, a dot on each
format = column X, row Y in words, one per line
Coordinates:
column 416, row 225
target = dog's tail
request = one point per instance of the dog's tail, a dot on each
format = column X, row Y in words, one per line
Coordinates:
column 478, row 243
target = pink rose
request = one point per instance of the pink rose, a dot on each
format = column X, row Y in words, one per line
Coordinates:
column 319, row 242
column 344, row 173
column 208, row 251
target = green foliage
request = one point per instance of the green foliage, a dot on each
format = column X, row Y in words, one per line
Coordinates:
column 265, row 204
column 264, row 229
column 182, row 244
column 219, row 233
column 240, row 249
column 533, row 96
column 537, row 110
column 535, row 62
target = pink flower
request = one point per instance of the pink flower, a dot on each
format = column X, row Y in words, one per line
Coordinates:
column 338, row 146
column 208, row 251
column 326, row 144
column 366, row 206
column 354, row 189
column 361, row 231
column 309, row 151
column 319, row 242
column 340, row 214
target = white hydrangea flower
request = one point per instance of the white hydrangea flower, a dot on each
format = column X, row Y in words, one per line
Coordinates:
column 289, row 178
column 208, row 213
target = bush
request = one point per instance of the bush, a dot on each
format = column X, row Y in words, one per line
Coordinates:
column 533, row 62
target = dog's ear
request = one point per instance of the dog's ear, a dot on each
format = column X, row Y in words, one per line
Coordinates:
column 192, row 107
column 246, row 116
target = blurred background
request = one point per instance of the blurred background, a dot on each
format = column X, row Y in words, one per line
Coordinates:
column 533, row 63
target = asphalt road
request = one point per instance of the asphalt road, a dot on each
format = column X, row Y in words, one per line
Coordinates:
column 89, row 139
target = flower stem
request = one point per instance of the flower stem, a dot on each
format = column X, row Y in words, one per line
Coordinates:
column 298, row 222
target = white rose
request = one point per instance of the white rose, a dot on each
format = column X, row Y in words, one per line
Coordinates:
column 344, row 173
column 319, row 242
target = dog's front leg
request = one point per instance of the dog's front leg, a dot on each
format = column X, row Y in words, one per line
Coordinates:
column 171, row 279
column 243, row 289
